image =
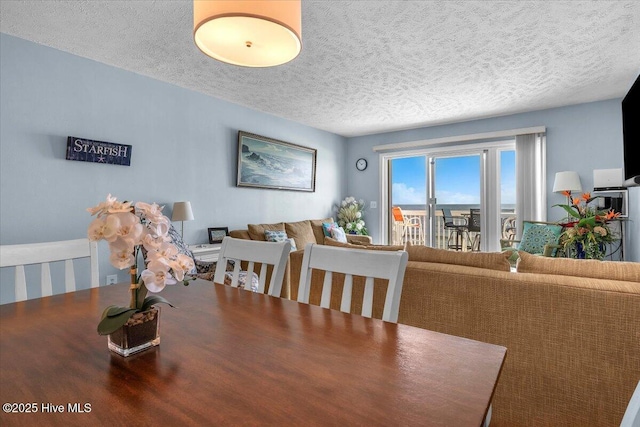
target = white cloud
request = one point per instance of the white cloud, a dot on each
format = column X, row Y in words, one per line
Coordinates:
column 403, row 195
column 455, row 198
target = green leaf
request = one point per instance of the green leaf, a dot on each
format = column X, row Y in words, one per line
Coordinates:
column 591, row 221
column 141, row 294
column 570, row 210
column 114, row 311
column 153, row 299
column 110, row 324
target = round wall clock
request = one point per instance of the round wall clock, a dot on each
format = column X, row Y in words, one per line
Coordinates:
column 361, row 164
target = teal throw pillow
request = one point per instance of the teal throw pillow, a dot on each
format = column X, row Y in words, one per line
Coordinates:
column 536, row 236
column 326, row 228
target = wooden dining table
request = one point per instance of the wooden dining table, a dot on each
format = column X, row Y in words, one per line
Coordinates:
column 234, row 357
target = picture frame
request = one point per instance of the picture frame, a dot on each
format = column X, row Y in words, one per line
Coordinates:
column 216, row 234
column 269, row 163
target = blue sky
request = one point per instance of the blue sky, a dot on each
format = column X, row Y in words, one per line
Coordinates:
column 457, row 180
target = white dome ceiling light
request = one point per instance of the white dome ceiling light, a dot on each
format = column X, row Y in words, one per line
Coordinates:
column 259, row 33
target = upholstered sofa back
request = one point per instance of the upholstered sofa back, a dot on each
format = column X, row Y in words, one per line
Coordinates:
column 573, row 343
column 302, row 232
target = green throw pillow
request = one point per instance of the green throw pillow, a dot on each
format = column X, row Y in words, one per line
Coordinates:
column 536, row 236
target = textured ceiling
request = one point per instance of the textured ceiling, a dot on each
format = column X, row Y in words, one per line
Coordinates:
column 369, row 66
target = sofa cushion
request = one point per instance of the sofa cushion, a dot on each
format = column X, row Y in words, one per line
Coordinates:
column 489, row 260
column 316, row 225
column 596, row 269
column 240, row 234
column 333, row 242
column 256, row 231
column 301, row 232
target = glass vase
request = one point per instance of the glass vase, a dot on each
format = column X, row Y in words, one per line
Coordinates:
column 590, row 251
column 141, row 331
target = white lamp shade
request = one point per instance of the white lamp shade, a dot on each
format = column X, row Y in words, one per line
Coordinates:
column 567, row 181
column 250, row 33
column 182, row 211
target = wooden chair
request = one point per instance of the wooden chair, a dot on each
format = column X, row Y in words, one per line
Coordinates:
column 389, row 265
column 631, row 416
column 252, row 251
column 44, row 253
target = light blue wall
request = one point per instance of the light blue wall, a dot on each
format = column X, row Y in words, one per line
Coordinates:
column 184, row 148
column 581, row 138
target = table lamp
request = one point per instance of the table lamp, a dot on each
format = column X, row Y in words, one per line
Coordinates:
column 567, row 181
column 182, row 212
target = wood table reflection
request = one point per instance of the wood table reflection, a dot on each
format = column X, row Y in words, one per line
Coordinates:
column 230, row 357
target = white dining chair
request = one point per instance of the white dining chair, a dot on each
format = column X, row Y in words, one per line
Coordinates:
column 19, row 256
column 631, row 416
column 370, row 264
column 253, row 252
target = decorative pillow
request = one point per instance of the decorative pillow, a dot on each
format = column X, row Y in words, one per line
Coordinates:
column 256, row 231
column 339, row 234
column 183, row 248
column 326, row 228
column 596, row 269
column 490, row 260
column 301, row 232
column 316, row 226
column 279, row 236
column 536, row 236
column 275, row 235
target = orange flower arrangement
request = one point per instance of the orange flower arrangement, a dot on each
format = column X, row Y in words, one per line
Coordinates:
column 589, row 231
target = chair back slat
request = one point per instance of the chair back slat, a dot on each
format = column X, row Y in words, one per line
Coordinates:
column 253, row 252
column 46, row 288
column 45, row 253
column 69, row 276
column 345, row 305
column 367, row 305
column 631, row 417
column 325, row 301
column 370, row 264
column 20, row 283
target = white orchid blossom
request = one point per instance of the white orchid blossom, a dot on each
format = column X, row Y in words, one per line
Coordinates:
column 122, row 254
column 157, row 276
column 127, row 232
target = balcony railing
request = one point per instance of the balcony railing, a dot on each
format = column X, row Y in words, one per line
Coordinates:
column 414, row 227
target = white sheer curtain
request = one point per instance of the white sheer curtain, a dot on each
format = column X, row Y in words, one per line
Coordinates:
column 531, row 201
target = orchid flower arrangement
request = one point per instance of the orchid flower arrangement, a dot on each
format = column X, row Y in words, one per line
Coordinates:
column 587, row 226
column 129, row 232
column 350, row 213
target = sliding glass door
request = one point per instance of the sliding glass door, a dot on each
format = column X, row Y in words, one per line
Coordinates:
column 455, row 190
column 451, row 198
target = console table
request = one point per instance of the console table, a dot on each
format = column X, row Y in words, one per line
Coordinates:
column 206, row 251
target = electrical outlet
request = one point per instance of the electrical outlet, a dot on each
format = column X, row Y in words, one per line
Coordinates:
column 373, row 205
column 112, row 279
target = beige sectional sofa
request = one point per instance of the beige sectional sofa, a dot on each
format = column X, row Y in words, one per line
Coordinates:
column 302, row 232
column 571, row 327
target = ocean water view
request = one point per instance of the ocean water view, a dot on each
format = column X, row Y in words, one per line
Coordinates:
column 454, row 207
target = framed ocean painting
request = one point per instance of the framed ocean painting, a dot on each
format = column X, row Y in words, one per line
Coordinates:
column 269, row 163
